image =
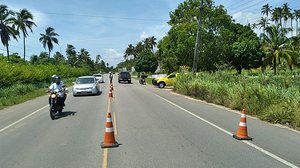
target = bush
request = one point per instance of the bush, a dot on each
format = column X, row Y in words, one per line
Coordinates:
column 272, row 98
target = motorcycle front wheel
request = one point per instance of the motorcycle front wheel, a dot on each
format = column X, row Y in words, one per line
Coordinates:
column 52, row 112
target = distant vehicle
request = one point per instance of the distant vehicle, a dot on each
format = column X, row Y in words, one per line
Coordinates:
column 165, row 81
column 99, row 78
column 124, row 76
column 86, row 85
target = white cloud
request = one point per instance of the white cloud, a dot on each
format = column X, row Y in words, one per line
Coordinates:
column 143, row 36
column 246, row 17
column 112, row 56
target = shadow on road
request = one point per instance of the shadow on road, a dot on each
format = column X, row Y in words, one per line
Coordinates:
column 67, row 113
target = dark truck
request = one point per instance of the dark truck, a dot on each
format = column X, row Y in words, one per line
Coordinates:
column 124, row 76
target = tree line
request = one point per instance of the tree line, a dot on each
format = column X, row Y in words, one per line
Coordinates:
column 224, row 43
column 14, row 25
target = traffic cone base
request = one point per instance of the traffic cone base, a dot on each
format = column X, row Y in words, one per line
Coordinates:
column 242, row 138
column 114, row 145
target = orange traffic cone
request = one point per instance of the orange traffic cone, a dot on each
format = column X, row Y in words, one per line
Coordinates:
column 110, row 94
column 242, row 133
column 109, row 135
column 111, row 86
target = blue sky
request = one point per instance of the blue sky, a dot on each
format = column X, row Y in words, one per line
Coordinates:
column 107, row 27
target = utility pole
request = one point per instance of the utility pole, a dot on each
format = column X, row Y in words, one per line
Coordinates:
column 198, row 40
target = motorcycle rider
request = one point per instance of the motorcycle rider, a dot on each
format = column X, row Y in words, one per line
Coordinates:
column 142, row 79
column 57, row 86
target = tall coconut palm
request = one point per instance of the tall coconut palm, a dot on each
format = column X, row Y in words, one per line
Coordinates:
column 277, row 15
column 286, row 12
column 153, row 43
column 6, row 27
column 130, row 50
column 23, row 22
column 275, row 47
column 48, row 38
column 139, row 48
column 266, row 10
column 147, row 44
column 297, row 17
column 263, row 23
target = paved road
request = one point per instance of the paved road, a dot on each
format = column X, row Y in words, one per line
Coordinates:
column 156, row 128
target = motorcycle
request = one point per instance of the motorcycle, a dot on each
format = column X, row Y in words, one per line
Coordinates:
column 142, row 81
column 56, row 103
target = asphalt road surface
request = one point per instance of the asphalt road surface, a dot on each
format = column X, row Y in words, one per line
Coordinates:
column 155, row 127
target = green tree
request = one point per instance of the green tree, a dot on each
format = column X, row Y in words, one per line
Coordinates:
column 263, row 23
column 180, row 41
column 6, row 27
column 243, row 51
column 71, row 55
column 277, row 15
column 297, row 17
column 23, row 22
column 286, row 13
column 59, row 58
column 130, row 50
column 48, row 39
column 146, row 62
column 276, row 49
column 140, row 47
column 34, row 59
column 266, row 10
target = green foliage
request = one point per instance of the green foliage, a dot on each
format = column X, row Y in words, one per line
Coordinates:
column 146, row 62
column 222, row 40
column 271, row 98
column 13, row 73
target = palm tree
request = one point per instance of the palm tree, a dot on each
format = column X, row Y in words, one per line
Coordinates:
column 263, row 23
column 152, row 42
column 139, row 48
column 275, row 47
column 59, row 58
column 297, row 17
column 285, row 13
column 48, row 38
column 6, row 27
column 71, row 55
column 277, row 15
column 266, row 10
column 22, row 22
column 130, row 50
column 147, row 44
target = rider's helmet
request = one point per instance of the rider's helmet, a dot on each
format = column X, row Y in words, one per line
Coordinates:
column 55, row 79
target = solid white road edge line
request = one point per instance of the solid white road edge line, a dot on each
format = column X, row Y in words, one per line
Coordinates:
column 3, row 129
column 229, row 133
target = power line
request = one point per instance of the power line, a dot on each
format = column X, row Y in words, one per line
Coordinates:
column 106, row 17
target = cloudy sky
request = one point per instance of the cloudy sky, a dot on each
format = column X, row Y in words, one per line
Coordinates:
column 107, row 27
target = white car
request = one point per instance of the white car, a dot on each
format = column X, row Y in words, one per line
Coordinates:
column 86, row 85
column 99, row 78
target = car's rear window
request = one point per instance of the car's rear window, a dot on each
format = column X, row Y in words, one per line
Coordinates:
column 85, row 80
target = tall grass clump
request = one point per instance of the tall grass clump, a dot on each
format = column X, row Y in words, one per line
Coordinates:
column 271, row 98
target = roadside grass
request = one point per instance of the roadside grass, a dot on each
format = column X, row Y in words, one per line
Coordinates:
column 20, row 93
column 275, row 99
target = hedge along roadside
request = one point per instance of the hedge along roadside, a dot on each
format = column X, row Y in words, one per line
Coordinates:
column 12, row 73
column 22, row 82
column 275, row 98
